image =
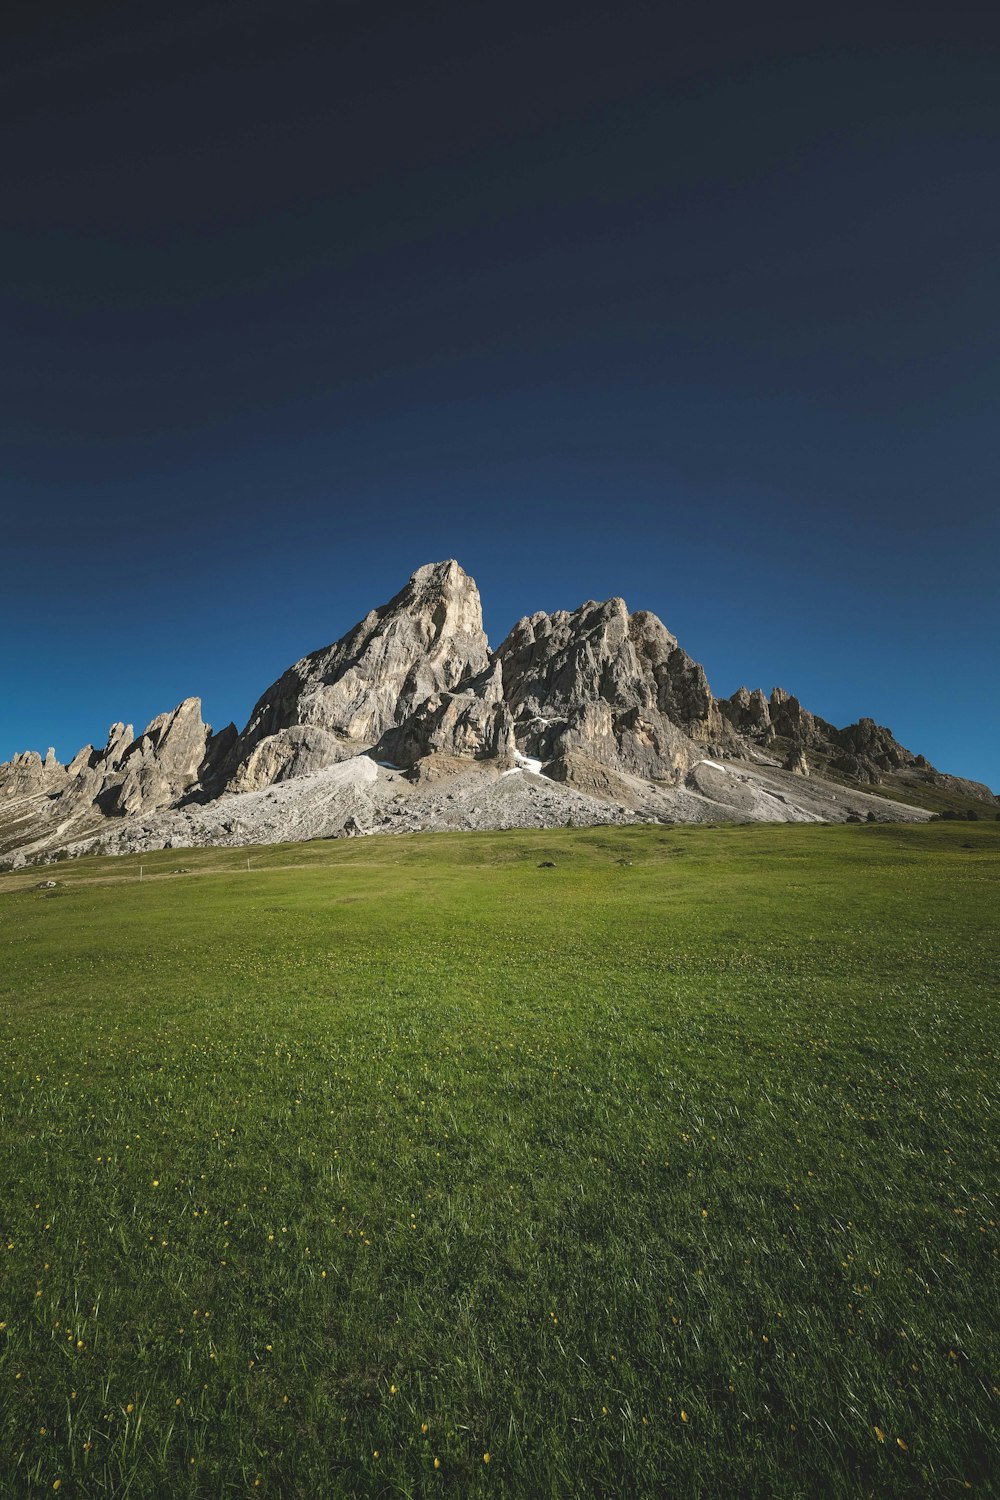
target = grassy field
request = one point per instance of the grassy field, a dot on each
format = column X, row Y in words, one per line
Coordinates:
column 409, row 1166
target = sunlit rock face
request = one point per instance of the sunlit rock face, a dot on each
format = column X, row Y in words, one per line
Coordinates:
column 424, row 641
column 595, row 682
column 28, row 775
column 612, row 686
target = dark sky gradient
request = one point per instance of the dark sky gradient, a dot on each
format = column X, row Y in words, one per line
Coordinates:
column 699, row 305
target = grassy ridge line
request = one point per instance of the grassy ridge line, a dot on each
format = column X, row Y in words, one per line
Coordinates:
column 674, row 1164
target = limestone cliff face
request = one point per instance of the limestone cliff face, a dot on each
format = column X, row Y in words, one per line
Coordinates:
column 299, row 750
column 591, row 685
column 162, row 763
column 473, row 721
column 423, row 642
column 28, row 775
column 612, row 686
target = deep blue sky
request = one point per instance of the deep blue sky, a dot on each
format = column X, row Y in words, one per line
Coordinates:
column 695, row 304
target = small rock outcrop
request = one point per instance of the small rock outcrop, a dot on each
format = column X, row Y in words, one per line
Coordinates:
column 120, row 737
column 866, row 750
column 797, row 761
column 80, row 761
column 748, row 712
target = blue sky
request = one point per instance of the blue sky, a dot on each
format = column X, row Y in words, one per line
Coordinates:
column 598, row 304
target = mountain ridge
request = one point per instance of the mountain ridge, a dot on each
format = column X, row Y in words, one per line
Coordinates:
column 598, row 712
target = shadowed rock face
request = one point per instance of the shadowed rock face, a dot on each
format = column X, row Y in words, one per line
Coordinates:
column 864, row 750
column 748, row 713
column 423, row 642
column 473, row 722
column 790, row 719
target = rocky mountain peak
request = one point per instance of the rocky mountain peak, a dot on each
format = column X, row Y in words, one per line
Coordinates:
column 162, row 763
column 864, row 751
column 176, row 739
column 120, row 736
column 424, row 641
column 590, row 713
column 612, row 685
column 574, row 687
column 439, row 575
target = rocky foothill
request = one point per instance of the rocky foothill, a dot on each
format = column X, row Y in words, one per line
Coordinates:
column 410, row 722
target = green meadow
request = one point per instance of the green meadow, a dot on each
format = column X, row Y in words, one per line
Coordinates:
column 410, row 1166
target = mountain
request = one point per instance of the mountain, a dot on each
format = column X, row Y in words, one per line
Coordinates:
column 409, row 721
column 336, row 702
